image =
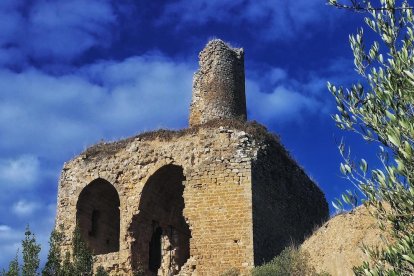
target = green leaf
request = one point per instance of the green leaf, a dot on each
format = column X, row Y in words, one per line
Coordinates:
column 345, row 198
column 409, row 258
column 409, row 74
column 390, row 115
column 342, row 168
column 337, row 204
column 364, row 165
column 394, row 140
column 400, row 165
column 347, row 168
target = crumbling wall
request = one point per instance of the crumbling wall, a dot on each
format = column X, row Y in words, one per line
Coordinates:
column 160, row 230
column 216, row 193
column 218, row 86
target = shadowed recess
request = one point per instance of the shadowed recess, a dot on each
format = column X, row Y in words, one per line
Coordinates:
column 98, row 216
column 162, row 239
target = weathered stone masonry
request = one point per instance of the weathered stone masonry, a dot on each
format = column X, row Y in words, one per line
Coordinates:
column 218, row 86
column 221, row 194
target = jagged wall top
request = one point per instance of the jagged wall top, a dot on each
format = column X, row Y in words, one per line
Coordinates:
column 218, row 86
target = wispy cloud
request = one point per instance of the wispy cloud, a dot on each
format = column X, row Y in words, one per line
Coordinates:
column 4, row 228
column 18, row 173
column 276, row 97
column 281, row 105
column 53, row 30
column 272, row 20
column 25, row 207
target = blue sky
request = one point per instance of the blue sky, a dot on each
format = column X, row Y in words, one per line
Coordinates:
column 74, row 72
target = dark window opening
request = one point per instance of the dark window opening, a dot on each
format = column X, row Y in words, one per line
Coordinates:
column 95, row 223
column 155, row 250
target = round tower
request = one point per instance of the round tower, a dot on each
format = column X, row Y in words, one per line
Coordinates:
column 218, row 86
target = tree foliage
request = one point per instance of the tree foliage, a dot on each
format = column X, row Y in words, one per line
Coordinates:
column 380, row 107
column 67, row 266
column 54, row 260
column 30, row 251
column 79, row 263
column 13, row 268
column 82, row 257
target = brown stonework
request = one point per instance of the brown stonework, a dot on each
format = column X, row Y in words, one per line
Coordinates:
column 221, row 194
column 218, row 86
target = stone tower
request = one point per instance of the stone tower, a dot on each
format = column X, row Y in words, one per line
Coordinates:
column 218, row 86
column 221, row 194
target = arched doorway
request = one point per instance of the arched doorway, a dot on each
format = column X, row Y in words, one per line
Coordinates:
column 161, row 234
column 97, row 215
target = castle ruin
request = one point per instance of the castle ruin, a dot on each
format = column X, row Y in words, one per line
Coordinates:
column 221, row 194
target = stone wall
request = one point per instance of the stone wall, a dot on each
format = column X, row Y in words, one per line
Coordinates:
column 201, row 187
column 287, row 205
column 216, row 192
column 218, row 86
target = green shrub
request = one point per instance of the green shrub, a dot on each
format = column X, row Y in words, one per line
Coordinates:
column 100, row 271
column 290, row 262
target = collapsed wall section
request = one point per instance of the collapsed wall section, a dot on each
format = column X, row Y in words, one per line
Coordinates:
column 208, row 175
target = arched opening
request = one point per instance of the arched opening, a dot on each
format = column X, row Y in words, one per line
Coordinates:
column 161, row 234
column 97, row 215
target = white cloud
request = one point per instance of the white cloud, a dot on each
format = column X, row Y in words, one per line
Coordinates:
column 19, row 173
column 55, row 116
column 275, row 96
column 282, row 105
column 25, row 208
column 4, row 228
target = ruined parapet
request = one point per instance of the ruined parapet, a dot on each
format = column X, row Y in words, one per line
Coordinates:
column 218, row 86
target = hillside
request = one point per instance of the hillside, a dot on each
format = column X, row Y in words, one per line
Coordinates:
column 336, row 246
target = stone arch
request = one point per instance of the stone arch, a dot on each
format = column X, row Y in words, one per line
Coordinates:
column 98, row 216
column 160, row 232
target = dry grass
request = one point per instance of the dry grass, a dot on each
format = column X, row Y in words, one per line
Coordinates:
column 256, row 130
